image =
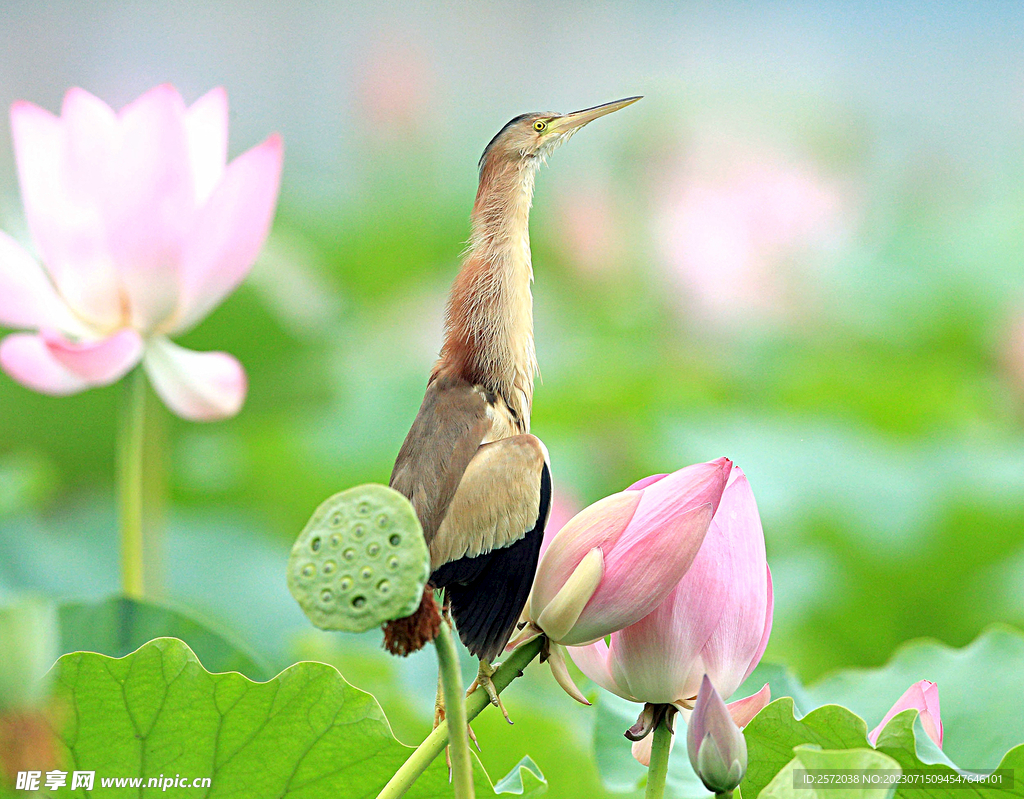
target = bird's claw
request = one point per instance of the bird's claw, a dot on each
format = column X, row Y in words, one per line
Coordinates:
column 483, row 680
column 439, row 716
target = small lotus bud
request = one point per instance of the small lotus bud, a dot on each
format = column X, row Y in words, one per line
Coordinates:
column 717, row 748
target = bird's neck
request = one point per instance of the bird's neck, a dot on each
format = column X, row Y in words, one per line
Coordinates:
column 489, row 322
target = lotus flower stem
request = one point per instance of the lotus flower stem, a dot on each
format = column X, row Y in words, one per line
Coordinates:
column 455, row 710
column 129, row 479
column 435, row 743
column 658, row 769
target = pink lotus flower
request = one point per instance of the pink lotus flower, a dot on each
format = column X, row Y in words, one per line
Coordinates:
column 715, row 621
column 615, row 561
column 143, row 229
column 923, row 697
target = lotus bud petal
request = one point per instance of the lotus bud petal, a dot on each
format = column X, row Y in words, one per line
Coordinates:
column 923, row 697
column 716, row 746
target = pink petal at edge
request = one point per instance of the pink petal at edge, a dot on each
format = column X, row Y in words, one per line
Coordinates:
column 27, row 297
column 734, row 557
column 201, row 386
column 59, row 191
column 667, row 498
column 230, row 231
column 922, row 696
column 768, row 616
column 98, row 363
column 24, row 357
column 206, row 126
column 592, row 660
column 639, row 485
column 743, row 710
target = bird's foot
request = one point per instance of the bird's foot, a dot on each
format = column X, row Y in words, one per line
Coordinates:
column 483, row 680
column 439, row 716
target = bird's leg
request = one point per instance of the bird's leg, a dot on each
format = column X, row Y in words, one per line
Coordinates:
column 483, row 680
column 439, row 709
column 439, row 713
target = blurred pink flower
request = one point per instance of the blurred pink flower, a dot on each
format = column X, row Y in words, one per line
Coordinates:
column 728, row 234
column 922, row 696
column 143, row 229
column 716, row 621
column 1013, row 355
column 396, row 89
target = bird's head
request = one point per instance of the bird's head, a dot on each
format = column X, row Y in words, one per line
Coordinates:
column 530, row 138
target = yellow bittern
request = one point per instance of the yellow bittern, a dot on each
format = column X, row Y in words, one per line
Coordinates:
column 480, row 483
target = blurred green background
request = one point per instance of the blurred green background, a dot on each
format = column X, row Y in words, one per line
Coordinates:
column 802, row 250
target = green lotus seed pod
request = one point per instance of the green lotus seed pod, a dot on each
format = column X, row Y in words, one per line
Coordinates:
column 361, row 561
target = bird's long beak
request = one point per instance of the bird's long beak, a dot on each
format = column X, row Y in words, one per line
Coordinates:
column 578, row 119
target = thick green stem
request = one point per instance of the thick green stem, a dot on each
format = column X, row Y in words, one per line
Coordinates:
column 658, row 769
column 435, row 743
column 129, row 482
column 455, row 712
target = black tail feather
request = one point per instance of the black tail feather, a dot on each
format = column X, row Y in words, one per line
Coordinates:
column 487, row 593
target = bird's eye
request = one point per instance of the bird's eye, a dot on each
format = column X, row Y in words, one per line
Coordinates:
column 540, row 125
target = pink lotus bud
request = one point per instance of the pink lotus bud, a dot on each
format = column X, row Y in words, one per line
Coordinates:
column 717, row 748
column 715, row 621
column 615, row 561
column 923, row 697
column 142, row 228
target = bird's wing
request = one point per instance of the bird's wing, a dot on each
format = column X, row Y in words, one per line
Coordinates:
column 498, row 500
column 445, row 436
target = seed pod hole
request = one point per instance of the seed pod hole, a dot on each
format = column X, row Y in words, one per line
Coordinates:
column 361, row 560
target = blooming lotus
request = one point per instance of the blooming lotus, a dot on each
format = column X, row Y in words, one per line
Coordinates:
column 716, row 621
column 142, row 228
column 615, row 561
column 923, row 697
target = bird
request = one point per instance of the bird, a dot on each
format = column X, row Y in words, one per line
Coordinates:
column 479, row 481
